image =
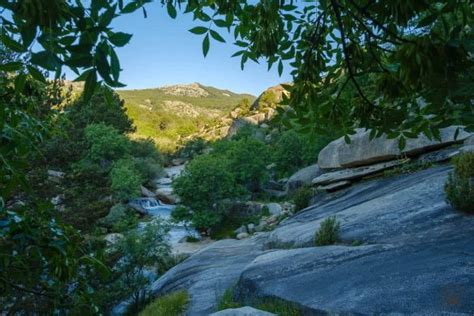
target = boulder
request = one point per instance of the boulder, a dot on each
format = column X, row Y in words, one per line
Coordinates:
column 469, row 140
column 242, row 236
column 355, row 173
column 251, row 228
column 146, row 192
column 255, row 119
column 274, row 208
column 164, row 181
column 417, row 256
column 111, row 239
column 303, row 177
column 241, row 229
column 207, row 274
column 242, row 311
column 363, row 151
column 167, row 196
column 55, row 176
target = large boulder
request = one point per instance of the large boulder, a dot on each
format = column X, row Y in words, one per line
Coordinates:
column 416, row 255
column 207, row 274
column 303, row 177
column 363, row 151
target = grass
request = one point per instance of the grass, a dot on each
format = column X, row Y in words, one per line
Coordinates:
column 271, row 305
column 408, row 168
column 173, row 304
column 328, row 233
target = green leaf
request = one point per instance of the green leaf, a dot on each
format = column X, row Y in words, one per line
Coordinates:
column 217, row 37
column 12, row 66
column 84, row 75
column 220, row 23
column 114, row 65
column 20, row 83
column 401, row 143
column 12, row 44
column 280, row 68
column 120, row 39
column 36, row 74
column 205, row 45
column 171, row 10
column 46, row 60
column 90, row 86
column 131, row 7
column 199, row 30
column 427, row 20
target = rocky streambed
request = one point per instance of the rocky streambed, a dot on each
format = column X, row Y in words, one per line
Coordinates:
column 403, row 250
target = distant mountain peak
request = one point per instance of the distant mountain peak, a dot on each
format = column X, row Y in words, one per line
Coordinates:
column 186, row 90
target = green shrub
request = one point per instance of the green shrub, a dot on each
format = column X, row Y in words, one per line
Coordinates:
column 227, row 300
column 105, row 143
column 279, row 307
column 173, row 304
column 125, row 180
column 460, row 185
column 328, row 233
column 302, row 198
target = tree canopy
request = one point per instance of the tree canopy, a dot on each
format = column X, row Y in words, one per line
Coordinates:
column 400, row 67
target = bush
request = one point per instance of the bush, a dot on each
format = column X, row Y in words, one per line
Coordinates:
column 125, row 180
column 460, row 185
column 328, row 233
column 105, row 143
column 204, row 183
column 302, row 198
column 173, row 304
column 140, row 250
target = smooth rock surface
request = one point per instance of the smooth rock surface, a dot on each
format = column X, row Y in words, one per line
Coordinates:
column 334, row 186
column 303, row 177
column 417, row 257
column 354, row 173
column 363, row 151
column 208, row 273
column 243, row 311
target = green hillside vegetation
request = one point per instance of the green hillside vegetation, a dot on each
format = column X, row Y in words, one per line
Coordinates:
column 167, row 114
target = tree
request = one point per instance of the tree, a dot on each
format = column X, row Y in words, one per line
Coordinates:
column 205, row 182
column 402, row 68
column 125, row 180
column 140, row 251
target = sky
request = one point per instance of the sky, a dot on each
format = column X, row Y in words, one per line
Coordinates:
column 162, row 51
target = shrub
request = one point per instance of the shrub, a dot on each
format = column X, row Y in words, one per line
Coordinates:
column 302, row 198
column 140, row 250
column 105, row 143
column 204, row 183
column 328, row 233
column 460, row 185
column 227, row 300
column 125, row 180
column 173, row 304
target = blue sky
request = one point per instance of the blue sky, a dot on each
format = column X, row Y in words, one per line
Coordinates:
column 162, row 51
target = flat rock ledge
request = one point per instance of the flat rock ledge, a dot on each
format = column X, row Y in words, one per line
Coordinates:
column 243, row 311
column 415, row 255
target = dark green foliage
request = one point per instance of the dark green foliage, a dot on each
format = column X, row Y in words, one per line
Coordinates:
column 302, row 198
column 227, row 300
column 99, row 110
column 125, row 180
column 328, row 233
column 234, row 168
column 105, row 144
column 460, row 185
column 293, row 150
column 192, row 148
column 141, row 249
column 205, row 181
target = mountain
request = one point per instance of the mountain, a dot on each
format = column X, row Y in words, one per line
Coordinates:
column 170, row 113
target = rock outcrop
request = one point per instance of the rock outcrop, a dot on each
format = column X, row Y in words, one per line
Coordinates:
column 303, row 177
column 363, row 151
column 415, row 255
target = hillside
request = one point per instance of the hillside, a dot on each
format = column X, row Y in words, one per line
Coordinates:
column 170, row 113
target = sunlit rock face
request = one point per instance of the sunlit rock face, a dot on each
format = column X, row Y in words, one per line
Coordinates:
column 363, row 151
